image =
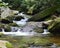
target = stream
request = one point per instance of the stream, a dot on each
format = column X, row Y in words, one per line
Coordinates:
column 27, row 29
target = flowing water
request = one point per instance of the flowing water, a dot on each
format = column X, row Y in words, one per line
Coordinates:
column 15, row 31
column 46, row 31
column 22, row 21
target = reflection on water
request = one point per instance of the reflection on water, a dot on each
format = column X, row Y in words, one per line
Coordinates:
column 55, row 39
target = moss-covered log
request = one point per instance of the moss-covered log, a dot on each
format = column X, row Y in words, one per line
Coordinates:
column 41, row 15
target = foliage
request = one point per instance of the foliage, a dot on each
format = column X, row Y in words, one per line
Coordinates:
column 41, row 15
column 3, row 4
column 29, row 6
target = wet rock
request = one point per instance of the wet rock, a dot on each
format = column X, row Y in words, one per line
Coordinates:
column 7, row 28
column 0, row 29
column 18, row 18
column 44, row 26
column 6, row 21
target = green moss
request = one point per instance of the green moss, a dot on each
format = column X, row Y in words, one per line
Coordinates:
column 41, row 41
column 35, row 41
column 9, row 45
column 1, row 34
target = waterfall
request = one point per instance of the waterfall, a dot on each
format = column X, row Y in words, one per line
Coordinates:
column 45, row 31
column 18, row 32
column 3, row 30
column 22, row 21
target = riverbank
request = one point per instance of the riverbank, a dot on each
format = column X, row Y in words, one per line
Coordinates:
column 41, row 41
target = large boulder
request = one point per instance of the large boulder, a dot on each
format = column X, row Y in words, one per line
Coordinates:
column 7, row 12
column 54, row 27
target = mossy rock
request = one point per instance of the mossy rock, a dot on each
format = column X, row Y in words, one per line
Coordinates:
column 1, row 25
column 39, row 30
column 6, row 21
column 13, row 24
column 7, row 28
column 43, row 14
column 54, row 27
column 18, row 18
column 10, row 18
